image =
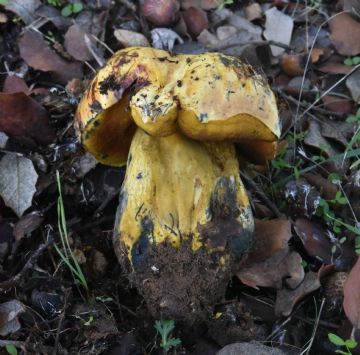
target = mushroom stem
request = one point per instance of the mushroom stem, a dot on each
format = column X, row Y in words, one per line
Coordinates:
column 177, row 188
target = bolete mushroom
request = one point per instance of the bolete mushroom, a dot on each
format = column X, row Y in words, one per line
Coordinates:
column 184, row 218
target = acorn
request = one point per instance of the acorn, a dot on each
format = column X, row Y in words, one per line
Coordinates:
column 161, row 13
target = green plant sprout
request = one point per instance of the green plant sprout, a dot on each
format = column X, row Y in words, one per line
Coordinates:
column 11, row 349
column 66, row 253
column 224, row 3
column 352, row 61
column 348, row 344
column 164, row 328
column 71, row 9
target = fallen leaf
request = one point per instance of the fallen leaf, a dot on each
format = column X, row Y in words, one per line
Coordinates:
column 164, row 38
column 269, row 260
column 74, row 43
column 334, row 68
column 36, row 53
column 17, row 182
column 14, row 83
column 25, row 9
column 22, row 116
column 353, row 84
column 315, row 240
column 27, row 224
column 352, row 295
column 345, row 34
column 131, row 38
column 253, row 12
column 337, row 104
column 204, row 4
column 54, row 16
column 328, row 189
column 252, row 31
column 286, row 299
column 196, row 20
column 278, row 27
column 9, row 312
column 301, row 198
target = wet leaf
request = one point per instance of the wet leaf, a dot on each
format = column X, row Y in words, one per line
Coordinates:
column 36, row 53
column 9, row 312
column 131, row 38
column 25, row 9
column 22, row 116
column 17, row 182
column 345, row 34
column 352, row 295
column 278, row 27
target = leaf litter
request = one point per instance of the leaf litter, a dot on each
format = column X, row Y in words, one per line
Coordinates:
column 309, row 55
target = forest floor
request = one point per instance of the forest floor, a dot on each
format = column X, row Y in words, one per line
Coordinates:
column 62, row 288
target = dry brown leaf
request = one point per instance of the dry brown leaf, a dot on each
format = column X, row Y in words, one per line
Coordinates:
column 334, row 68
column 253, row 12
column 27, row 224
column 345, row 34
column 36, row 53
column 337, row 104
column 14, row 83
column 25, row 9
column 75, row 45
column 9, row 312
column 352, row 295
column 314, row 239
column 204, row 4
column 269, row 260
column 22, row 116
column 196, row 20
column 286, row 299
column 131, row 38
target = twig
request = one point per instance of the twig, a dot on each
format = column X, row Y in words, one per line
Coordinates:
column 33, row 258
column 62, row 316
column 261, row 194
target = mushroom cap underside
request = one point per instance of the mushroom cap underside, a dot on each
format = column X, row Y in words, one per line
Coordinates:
column 209, row 97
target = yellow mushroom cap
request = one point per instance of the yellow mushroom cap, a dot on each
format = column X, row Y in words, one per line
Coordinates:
column 210, row 97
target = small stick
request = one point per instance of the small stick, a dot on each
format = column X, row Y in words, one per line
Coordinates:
column 261, row 195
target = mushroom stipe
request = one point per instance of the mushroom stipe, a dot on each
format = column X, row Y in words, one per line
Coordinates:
column 175, row 120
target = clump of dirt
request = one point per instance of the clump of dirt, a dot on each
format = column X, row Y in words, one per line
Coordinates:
column 178, row 283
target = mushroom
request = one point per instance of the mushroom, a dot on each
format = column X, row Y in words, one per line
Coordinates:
column 184, row 218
